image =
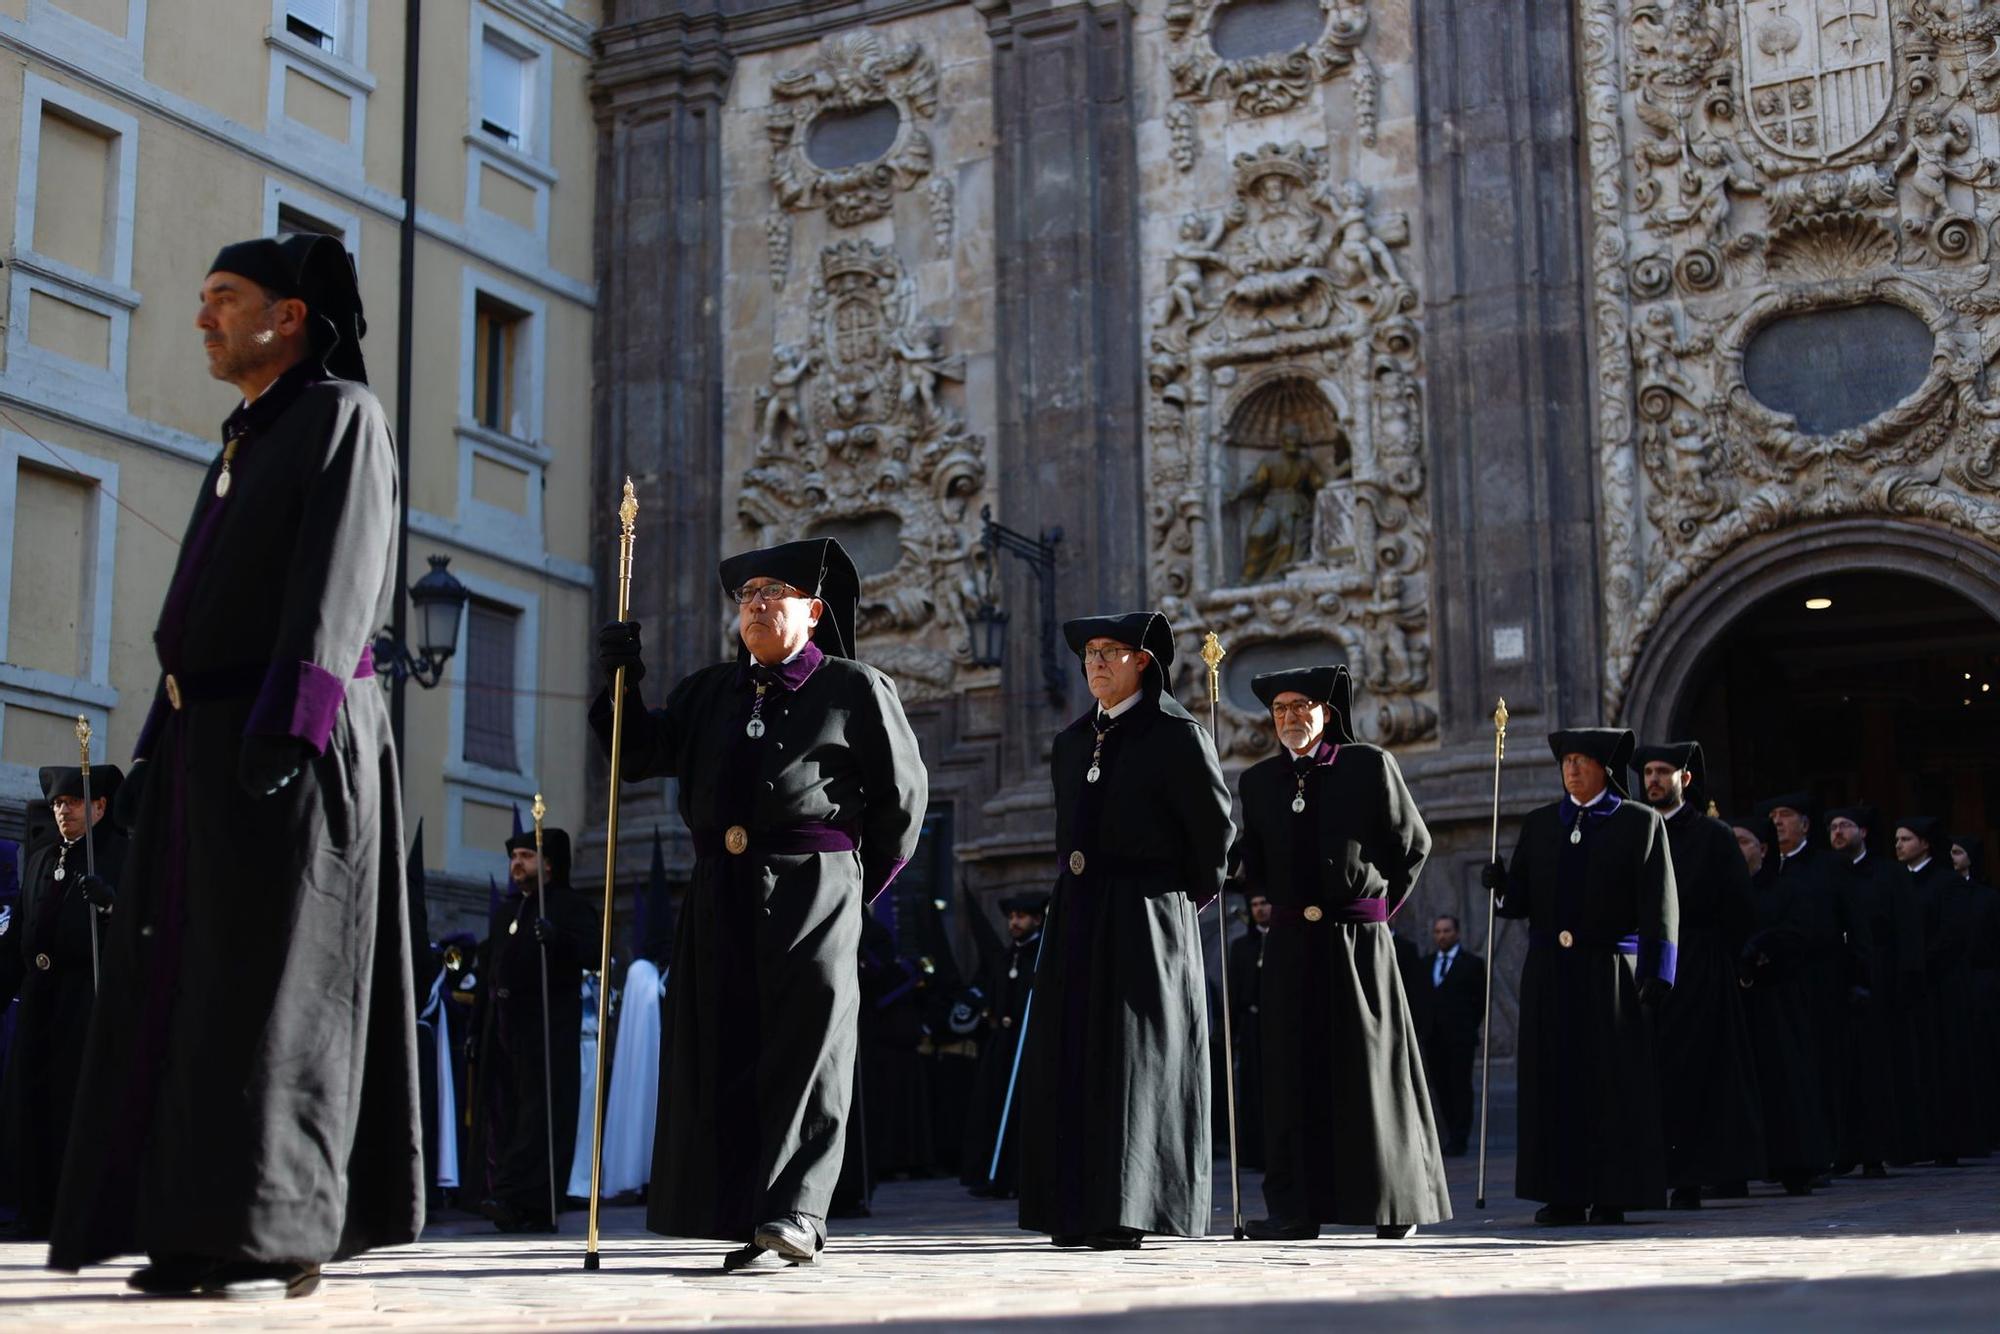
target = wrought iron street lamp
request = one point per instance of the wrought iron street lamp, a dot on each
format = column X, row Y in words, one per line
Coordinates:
column 989, row 619
column 438, row 598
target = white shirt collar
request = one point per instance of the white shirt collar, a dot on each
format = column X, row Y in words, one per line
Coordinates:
column 1123, row 706
column 1601, row 794
column 1679, row 806
column 1861, row 856
column 1784, row 856
column 1920, row 866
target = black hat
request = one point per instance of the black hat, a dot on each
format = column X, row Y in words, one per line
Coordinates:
column 318, row 271
column 817, row 565
column 1865, row 816
column 67, row 781
column 1928, row 828
column 1609, row 746
column 1975, row 854
column 1801, row 802
column 555, row 848
column 1683, row 755
column 1331, row 686
column 1146, row 630
column 1035, row 903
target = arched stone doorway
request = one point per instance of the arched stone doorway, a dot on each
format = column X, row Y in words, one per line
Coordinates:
column 1880, row 697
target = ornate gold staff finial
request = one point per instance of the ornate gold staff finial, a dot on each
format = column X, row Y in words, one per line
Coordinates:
column 1500, row 729
column 83, row 742
column 538, row 810
column 1212, row 653
column 628, row 509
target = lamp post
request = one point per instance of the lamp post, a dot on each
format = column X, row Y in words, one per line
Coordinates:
column 989, row 619
column 438, row 599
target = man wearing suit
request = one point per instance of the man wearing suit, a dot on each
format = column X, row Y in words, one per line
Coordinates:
column 1450, row 998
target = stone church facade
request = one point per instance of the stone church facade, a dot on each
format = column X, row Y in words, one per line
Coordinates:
column 1492, row 347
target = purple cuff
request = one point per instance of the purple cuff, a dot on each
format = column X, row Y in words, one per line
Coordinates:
column 299, row 700
column 1657, row 958
column 870, row 894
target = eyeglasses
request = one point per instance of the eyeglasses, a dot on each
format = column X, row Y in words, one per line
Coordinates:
column 1297, row 709
column 766, row 593
column 1104, row 657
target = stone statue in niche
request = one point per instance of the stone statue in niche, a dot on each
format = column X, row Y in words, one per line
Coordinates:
column 1279, row 534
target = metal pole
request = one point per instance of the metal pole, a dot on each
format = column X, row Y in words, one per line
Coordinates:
column 1020, row 1044
column 1212, row 653
column 406, row 306
column 89, row 840
column 1492, row 957
column 628, row 517
column 538, row 810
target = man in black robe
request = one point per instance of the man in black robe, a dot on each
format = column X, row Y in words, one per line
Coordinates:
column 1867, row 886
column 1450, row 1002
column 989, row 1159
column 1115, row 1084
column 1818, row 912
column 1246, row 1014
column 801, row 782
column 550, row 935
column 1593, row 876
column 57, row 984
column 1951, row 913
column 1712, row 1113
column 1981, row 905
column 249, row 1106
column 1332, row 835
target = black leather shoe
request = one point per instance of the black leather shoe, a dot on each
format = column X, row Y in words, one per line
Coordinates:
column 791, row 1236
column 1605, row 1217
column 244, row 1281
column 1121, row 1240
column 1395, row 1231
column 171, row 1277
column 1685, row 1197
column 1277, row 1229
column 1069, row 1241
column 1560, row 1215
column 745, row 1257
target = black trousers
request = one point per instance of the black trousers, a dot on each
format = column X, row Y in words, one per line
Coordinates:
column 1448, row 1070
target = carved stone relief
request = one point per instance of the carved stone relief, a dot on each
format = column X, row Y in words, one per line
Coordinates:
column 851, row 71
column 855, row 425
column 1752, row 160
column 1265, row 84
column 1284, row 427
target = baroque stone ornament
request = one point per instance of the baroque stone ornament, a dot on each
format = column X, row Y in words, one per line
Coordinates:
column 1756, row 161
column 1285, row 440
column 1265, row 84
column 856, row 433
column 851, row 72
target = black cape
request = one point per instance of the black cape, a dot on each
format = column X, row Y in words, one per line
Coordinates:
column 1349, row 1134
column 1590, row 1128
column 1115, row 1077
column 250, row 1089
column 757, row 1040
column 1712, row 1113
column 45, row 1061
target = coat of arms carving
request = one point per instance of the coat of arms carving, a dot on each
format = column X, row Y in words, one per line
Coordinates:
column 1817, row 74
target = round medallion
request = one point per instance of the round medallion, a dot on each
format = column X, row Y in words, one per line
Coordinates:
column 1076, row 863
column 222, row 484
column 61, row 874
column 1093, row 774
column 1576, row 834
column 736, row 839
column 42, row 962
column 513, row 928
column 1299, row 804
column 1314, row 912
column 1013, row 973
column 754, row 728
column 1565, row 939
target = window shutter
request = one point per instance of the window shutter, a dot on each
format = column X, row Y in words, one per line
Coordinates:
column 489, row 686
column 502, row 75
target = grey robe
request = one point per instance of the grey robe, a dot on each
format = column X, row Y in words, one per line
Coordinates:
column 250, row 1090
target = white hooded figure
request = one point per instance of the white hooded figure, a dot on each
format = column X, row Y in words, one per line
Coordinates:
column 633, row 1108
column 586, row 1094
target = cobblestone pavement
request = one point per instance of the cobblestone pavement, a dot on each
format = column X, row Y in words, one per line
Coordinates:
column 1919, row 1253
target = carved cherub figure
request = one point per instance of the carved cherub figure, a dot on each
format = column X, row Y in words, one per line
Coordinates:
column 1192, row 258
column 1660, row 347
column 917, row 348
column 790, row 364
column 1935, row 141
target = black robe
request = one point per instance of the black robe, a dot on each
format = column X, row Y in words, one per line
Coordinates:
column 757, row 1038
column 1450, row 1015
column 1830, row 966
column 510, row 1045
column 250, row 1087
column 1872, row 1088
column 1349, row 1134
column 1009, row 982
column 56, row 988
column 1964, row 1083
column 1115, row 1086
column 1779, row 1005
column 1712, row 1112
column 1246, row 1008
column 1590, row 1128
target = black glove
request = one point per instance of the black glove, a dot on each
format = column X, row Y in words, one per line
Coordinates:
column 267, row 763
column 545, row 931
column 97, row 891
column 1493, row 876
column 1654, row 990
column 618, row 646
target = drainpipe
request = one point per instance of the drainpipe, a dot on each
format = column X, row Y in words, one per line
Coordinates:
column 406, row 303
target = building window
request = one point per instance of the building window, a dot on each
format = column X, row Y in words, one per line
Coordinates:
column 506, row 77
column 491, row 636
column 300, row 223
column 313, row 21
column 496, row 365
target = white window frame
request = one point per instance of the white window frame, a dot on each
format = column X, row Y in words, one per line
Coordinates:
column 464, row 779
column 50, row 692
column 35, row 371
column 341, row 33
column 343, row 69
column 529, row 165
column 530, row 369
column 277, row 195
column 82, row 41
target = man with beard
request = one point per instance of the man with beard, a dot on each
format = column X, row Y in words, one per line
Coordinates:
column 1450, row 1001
column 1593, row 876
column 1010, row 981
column 1115, row 1076
column 1777, row 1004
column 801, row 782
column 1246, row 1013
column 57, row 973
column 1818, row 912
column 1333, row 837
column 249, row 1107
column 549, row 936
column 1882, row 925
column 1711, row 1113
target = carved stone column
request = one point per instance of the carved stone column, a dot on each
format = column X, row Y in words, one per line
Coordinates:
column 1069, row 448
column 661, row 75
